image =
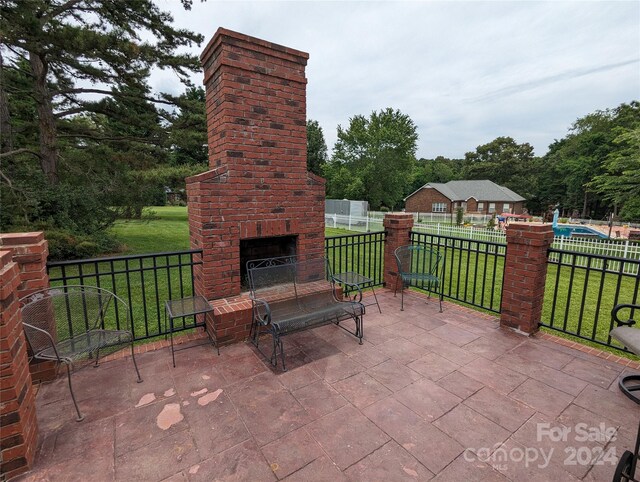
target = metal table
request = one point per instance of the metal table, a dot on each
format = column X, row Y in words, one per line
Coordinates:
column 351, row 278
column 183, row 307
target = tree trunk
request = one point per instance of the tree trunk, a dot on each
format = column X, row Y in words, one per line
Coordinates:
column 46, row 119
column 584, row 206
column 6, row 135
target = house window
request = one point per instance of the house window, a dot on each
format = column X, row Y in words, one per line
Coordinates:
column 492, row 207
column 439, row 208
column 506, row 208
column 480, row 207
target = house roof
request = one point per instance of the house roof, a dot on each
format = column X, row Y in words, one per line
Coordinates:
column 483, row 190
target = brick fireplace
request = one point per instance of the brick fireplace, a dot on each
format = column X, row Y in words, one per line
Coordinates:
column 257, row 199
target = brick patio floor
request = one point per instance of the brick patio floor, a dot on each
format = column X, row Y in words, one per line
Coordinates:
column 446, row 396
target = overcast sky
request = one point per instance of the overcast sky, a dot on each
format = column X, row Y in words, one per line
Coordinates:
column 465, row 72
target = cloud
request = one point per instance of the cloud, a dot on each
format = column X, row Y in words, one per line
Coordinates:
column 466, row 72
column 533, row 84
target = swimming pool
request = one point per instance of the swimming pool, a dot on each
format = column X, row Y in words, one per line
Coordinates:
column 568, row 230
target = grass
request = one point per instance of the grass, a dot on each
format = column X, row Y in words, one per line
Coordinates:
column 583, row 302
column 165, row 228
column 469, row 277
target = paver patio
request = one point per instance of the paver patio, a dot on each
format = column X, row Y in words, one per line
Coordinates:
column 448, row 396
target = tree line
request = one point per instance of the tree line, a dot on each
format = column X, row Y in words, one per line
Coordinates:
column 593, row 171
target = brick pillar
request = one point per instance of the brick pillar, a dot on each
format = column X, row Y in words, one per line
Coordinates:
column 525, row 273
column 18, row 424
column 398, row 227
column 30, row 251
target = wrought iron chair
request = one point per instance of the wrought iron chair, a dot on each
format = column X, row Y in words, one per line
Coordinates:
column 76, row 324
column 418, row 265
column 629, row 336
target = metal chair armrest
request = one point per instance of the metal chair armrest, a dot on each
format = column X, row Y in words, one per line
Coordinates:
column 53, row 343
column 617, row 308
column 267, row 316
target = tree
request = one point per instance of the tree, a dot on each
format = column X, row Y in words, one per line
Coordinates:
column 78, row 118
column 188, row 129
column 74, row 48
column 504, row 162
column 373, row 158
column 620, row 183
column 579, row 170
column 440, row 169
column 316, row 148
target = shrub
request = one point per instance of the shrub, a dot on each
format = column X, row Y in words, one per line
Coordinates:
column 64, row 245
column 61, row 244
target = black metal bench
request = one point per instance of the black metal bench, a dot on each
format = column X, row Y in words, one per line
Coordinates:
column 290, row 295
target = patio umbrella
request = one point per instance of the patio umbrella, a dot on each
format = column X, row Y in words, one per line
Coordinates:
column 556, row 213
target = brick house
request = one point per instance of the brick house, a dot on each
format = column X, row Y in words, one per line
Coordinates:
column 481, row 197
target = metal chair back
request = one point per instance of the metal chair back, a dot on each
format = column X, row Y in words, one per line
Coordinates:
column 418, row 259
column 419, row 265
column 69, row 311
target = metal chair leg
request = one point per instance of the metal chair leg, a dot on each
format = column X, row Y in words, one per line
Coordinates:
column 402, row 296
column 173, row 353
column 284, row 367
column 135, row 364
column 95, row 365
column 376, row 298
column 80, row 417
column 274, row 353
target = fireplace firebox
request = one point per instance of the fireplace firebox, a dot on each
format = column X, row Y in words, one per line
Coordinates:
column 259, row 248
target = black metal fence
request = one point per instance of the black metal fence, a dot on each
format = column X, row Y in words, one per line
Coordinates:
column 472, row 271
column 362, row 253
column 582, row 289
column 145, row 282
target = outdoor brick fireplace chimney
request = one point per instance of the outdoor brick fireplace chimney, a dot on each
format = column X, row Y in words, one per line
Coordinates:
column 257, row 200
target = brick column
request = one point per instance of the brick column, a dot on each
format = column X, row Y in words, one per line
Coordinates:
column 398, row 227
column 30, row 251
column 18, row 424
column 525, row 273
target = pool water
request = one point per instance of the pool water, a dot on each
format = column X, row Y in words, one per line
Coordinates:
column 569, row 230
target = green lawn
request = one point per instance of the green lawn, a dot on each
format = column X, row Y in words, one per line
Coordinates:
column 166, row 228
